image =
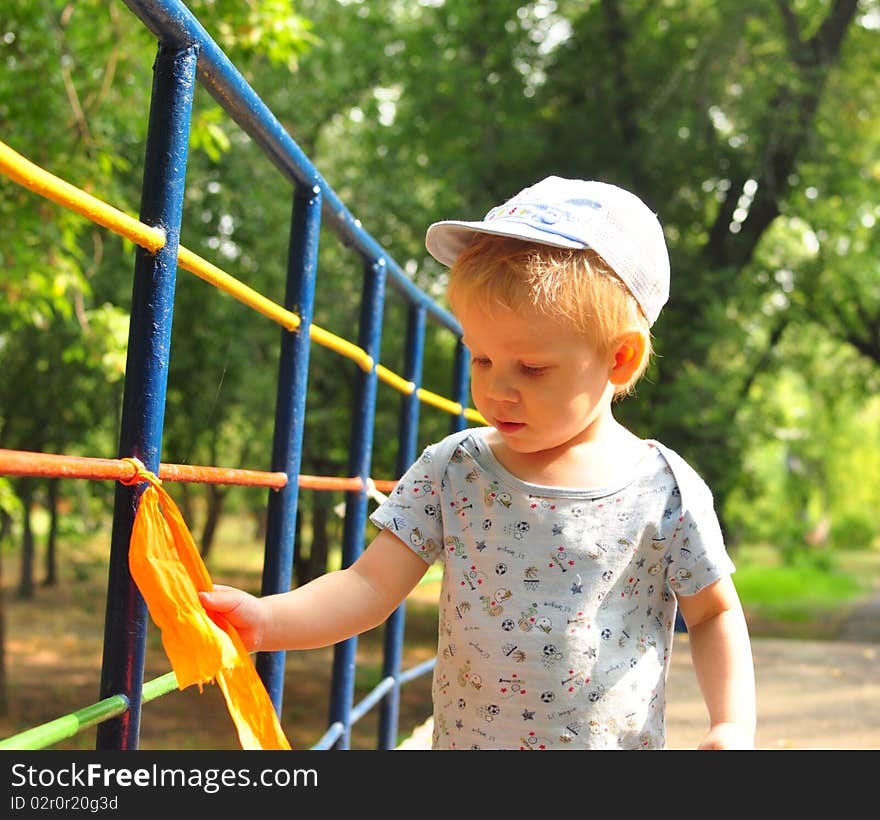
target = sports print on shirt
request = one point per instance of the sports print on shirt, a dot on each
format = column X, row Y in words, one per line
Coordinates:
column 557, row 604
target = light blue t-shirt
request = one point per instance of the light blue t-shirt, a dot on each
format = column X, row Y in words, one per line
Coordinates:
column 557, row 604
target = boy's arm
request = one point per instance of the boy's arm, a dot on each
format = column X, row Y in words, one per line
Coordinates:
column 722, row 658
column 330, row 608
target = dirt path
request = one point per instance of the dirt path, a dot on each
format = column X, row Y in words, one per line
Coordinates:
column 811, row 695
column 863, row 623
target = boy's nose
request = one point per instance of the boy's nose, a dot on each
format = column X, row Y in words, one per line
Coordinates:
column 500, row 388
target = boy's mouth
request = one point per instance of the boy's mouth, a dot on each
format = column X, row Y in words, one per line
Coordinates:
column 508, row 426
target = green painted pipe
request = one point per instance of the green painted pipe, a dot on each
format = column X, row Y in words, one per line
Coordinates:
column 39, row 737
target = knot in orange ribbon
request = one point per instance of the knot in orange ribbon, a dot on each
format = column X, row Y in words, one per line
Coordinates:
column 141, row 473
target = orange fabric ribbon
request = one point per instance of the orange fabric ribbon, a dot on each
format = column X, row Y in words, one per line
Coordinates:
column 169, row 572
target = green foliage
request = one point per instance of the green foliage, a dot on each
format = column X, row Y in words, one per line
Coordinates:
column 854, row 531
column 251, row 32
column 814, row 449
column 756, row 144
column 9, row 502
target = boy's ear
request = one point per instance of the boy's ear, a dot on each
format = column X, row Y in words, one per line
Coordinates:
column 628, row 355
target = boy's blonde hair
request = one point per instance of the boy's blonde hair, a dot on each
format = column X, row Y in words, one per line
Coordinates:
column 574, row 285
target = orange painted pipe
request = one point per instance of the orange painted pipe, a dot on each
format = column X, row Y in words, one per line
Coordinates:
column 20, row 462
column 326, row 482
column 221, row 475
column 48, row 465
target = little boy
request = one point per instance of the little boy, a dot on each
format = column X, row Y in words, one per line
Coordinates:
column 567, row 541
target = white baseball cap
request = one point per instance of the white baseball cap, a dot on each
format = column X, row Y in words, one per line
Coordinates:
column 576, row 213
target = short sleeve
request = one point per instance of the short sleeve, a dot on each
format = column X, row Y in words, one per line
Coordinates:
column 412, row 511
column 698, row 556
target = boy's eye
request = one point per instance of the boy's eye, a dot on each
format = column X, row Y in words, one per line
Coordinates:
column 525, row 369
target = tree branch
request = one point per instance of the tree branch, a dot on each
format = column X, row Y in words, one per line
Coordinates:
column 865, row 339
column 791, row 30
column 828, row 39
column 617, row 36
column 795, row 103
column 766, row 354
column 94, row 100
column 79, row 118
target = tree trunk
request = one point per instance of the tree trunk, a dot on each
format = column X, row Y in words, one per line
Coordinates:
column 300, row 559
column 51, row 577
column 26, row 579
column 300, row 552
column 186, row 506
column 260, row 522
column 5, row 527
column 310, row 560
column 320, row 547
column 216, row 499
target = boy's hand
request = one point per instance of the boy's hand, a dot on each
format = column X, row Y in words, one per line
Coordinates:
column 245, row 612
column 727, row 736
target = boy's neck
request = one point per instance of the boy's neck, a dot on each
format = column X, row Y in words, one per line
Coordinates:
column 601, row 456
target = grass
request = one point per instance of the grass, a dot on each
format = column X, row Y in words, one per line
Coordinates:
column 807, row 598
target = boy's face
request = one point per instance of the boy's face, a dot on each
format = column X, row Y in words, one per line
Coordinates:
column 535, row 379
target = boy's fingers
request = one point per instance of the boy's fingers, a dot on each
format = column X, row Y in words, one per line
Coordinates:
column 221, row 598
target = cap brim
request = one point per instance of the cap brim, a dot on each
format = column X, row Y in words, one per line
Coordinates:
column 446, row 240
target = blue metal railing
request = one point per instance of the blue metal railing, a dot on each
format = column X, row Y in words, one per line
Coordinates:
column 146, row 376
column 188, row 55
column 290, row 416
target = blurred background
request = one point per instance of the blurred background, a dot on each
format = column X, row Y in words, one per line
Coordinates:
column 752, row 127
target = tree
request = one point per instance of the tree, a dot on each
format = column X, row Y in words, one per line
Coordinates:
column 719, row 114
column 751, row 127
column 73, row 98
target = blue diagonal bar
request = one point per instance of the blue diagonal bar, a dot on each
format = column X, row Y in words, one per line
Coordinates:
column 173, row 23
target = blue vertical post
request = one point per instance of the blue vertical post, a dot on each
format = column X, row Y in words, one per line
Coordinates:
column 146, row 377
column 290, row 409
column 361, row 449
column 461, row 373
column 389, row 710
